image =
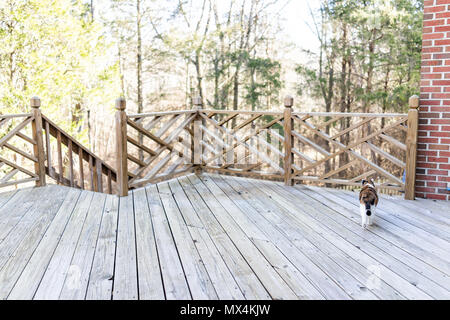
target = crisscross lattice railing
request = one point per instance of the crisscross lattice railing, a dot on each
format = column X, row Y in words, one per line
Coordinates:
column 17, row 154
column 314, row 147
column 322, row 148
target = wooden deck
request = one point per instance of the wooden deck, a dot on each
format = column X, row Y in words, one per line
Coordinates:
column 217, row 237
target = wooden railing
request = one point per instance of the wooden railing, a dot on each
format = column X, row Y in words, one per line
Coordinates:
column 313, row 147
column 18, row 145
column 49, row 152
column 152, row 147
column 287, row 146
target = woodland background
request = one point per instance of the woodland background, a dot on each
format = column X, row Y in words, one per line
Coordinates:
column 79, row 56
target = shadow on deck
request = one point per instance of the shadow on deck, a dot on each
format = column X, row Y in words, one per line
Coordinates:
column 217, row 237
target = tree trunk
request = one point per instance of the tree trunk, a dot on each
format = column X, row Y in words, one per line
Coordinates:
column 140, row 107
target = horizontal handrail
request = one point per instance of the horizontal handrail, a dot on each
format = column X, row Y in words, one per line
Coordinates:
column 17, row 115
column 160, row 113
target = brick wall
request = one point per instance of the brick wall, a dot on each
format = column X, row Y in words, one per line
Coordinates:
column 433, row 155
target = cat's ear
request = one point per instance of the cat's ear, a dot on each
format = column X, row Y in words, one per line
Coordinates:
column 363, row 182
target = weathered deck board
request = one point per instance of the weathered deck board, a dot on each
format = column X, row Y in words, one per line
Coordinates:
column 101, row 278
column 218, row 237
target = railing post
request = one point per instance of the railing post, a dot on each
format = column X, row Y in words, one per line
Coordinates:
column 121, row 148
column 38, row 148
column 197, row 138
column 411, row 148
column 288, row 142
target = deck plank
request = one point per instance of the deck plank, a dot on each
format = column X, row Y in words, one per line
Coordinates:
column 101, row 278
column 267, row 207
column 150, row 281
column 31, row 276
column 41, row 216
column 401, row 238
column 125, row 286
column 11, row 213
column 376, row 239
column 391, row 271
column 196, row 275
column 245, row 278
column 53, row 280
column 77, row 279
column 271, row 280
column 210, row 236
column 174, row 280
column 386, row 212
column 6, row 196
column 222, row 280
column 310, row 257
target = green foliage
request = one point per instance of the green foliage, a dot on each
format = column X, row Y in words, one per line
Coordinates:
column 378, row 42
column 52, row 49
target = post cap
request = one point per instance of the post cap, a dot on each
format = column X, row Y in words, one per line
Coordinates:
column 121, row 103
column 35, row 102
column 197, row 101
column 288, row 101
column 414, row 102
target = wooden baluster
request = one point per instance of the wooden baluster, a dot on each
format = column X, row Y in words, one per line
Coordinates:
column 49, row 149
column 197, row 139
column 69, row 150
column 60, row 163
column 109, row 190
column 288, row 141
column 121, row 148
column 411, row 148
column 80, row 163
column 98, row 165
column 92, row 174
column 38, row 148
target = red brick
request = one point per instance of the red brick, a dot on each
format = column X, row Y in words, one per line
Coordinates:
column 427, row 153
column 425, row 177
column 438, row 172
column 440, row 121
column 444, row 154
column 423, row 189
column 432, row 9
column 434, row 22
column 436, row 196
column 440, row 109
column 444, row 166
column 437, row 159
column 429, row 115
column 428, row 140
column 439, row 134
column 442, row 15
column 441, row 42
column 436, row 184
column 430, row 89
column 431, row 76
column 427, row 165
column 428, row 128
column 440, row 95
column 433, row 49
column 442, row 29
column 438, row 147
column 432, row 62
column 420, row 195
column 431, row 36
column 442, row 82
